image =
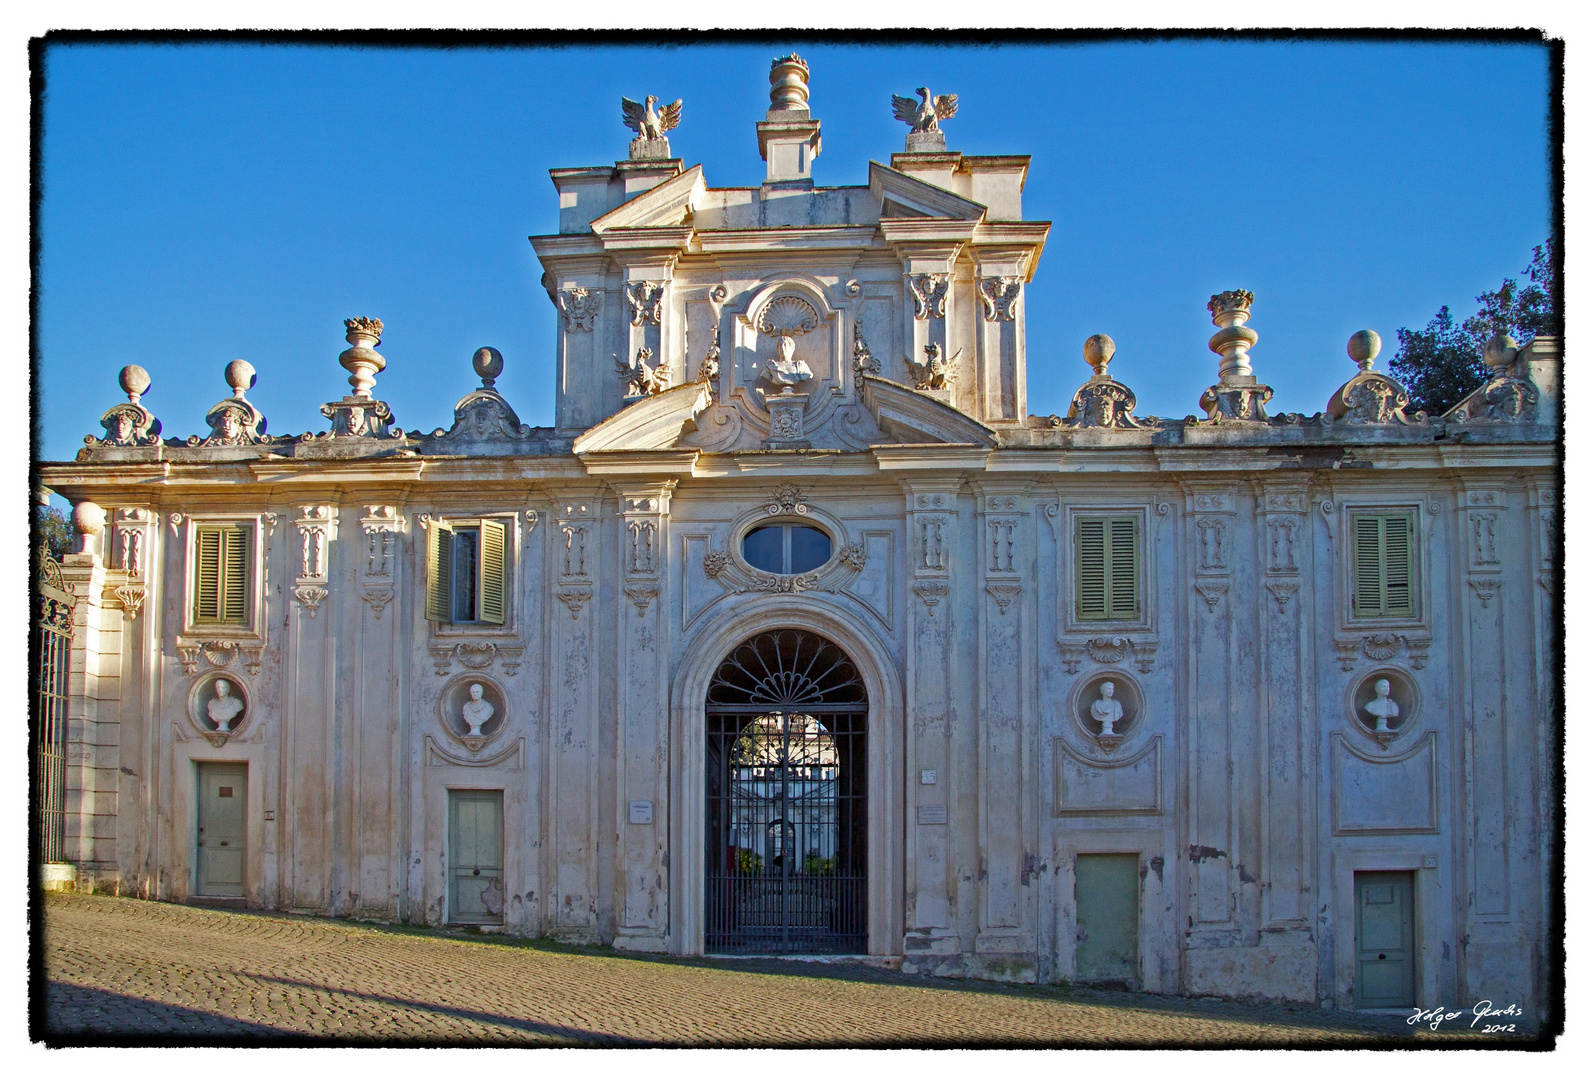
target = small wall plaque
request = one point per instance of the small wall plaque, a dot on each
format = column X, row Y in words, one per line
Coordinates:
column 931, row 814
column 641, row 813
column 270, row 815
column 1429, row 862
column 927, row 776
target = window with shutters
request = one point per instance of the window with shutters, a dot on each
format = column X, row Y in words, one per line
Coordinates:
column 1106, row 568
column 466, row 572
column 1383, row 559
column 221, row 563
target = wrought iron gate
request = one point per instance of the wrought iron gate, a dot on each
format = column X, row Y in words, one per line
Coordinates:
column 52, row 646
column 787, row 799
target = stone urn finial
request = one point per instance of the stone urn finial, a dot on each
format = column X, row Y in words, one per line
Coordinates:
column 1098, row 352
column 362, row 361
column 240, row 376
column 788, row 83
column 1500, row 353
column 134, row 380
column 1363, row 348
column 488, row 363
column 1229, row 311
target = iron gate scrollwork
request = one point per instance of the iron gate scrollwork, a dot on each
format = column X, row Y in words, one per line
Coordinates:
column 52, row 649
column 787, row 799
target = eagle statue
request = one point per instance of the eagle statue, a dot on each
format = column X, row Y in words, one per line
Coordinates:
column 645, row 121
column 924, row 115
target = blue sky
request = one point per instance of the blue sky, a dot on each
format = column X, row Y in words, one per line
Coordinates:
column 203, row 203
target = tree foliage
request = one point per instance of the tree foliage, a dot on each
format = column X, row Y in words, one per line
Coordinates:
column 1442, row 363
column 55, row 532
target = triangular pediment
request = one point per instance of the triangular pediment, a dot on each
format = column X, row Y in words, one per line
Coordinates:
column 901, row 195
column 659, row 207
column 653, row 423
column 908, row 416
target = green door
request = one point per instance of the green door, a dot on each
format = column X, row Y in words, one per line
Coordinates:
column 1385, row 935
column 475, row 857
column 223, row 795
column 1106, row 897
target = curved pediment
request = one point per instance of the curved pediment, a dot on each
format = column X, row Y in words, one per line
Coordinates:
column 908, row 416
column 653, row 423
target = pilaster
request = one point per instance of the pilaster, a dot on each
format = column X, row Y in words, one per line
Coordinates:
column 1211, row 821
column 1287, row 778
column 307, row 748
column 379, row 727
column 576, row 669
column 999, row 274
column 91, row 730
column 1008, row 825
column 934, row 814
column 642, row 740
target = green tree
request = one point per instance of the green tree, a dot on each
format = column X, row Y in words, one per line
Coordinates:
column 1442, row 363
column 55, row 532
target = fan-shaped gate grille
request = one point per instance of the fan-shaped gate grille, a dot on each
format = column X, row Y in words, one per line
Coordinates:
column 787, row 668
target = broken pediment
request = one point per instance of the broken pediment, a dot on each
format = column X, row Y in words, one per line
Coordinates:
column 666, row 205
column 901, row 195
column 908, row 416
column 653, row 423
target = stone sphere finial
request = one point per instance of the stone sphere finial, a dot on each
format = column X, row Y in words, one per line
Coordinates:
column 362, row 360
column 134, row 380
column 1363, row 348
column 1500, row 352
column 240, row 376
column 488, row 363
column 788, row 83
column 88, row 519
column 1098, row 352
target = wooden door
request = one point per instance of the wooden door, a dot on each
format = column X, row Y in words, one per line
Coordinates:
column 223, row 849
column 475, row 857
column 1106, row 898
column 1385, row 935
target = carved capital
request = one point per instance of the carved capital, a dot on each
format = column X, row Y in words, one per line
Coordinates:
column 646, row 300
column 310, row 596
column 1004, row 592
column 580, row 307
column 1000, row 297
column 1212, row 592
column 932, row 592
column 642, row 593
column 1283, row 591
column 574, row 596
column 929, row 295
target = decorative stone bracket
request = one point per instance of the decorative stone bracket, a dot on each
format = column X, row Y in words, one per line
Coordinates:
column 476, row 656
column 1380, row 647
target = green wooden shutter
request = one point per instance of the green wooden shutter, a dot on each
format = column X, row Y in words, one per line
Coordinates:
column 1397, row 598
column 490, row 593
column 234, row 576
column 440, row 573
column 207, row 574
column 1381, row 570
column 1090, row 571
column 1122, row 569
column 1367, row 556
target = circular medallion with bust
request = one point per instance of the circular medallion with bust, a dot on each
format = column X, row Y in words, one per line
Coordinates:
column 223, row 709
column 477, row 711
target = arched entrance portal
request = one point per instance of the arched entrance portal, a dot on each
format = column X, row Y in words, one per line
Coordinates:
column 787, row 806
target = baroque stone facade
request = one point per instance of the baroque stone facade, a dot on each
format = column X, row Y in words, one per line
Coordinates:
column 1270, row 664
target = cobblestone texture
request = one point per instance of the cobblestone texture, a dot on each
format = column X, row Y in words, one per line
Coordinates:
column 149, row 973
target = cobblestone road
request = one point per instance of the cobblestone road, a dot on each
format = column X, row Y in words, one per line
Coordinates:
column 161, row 973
